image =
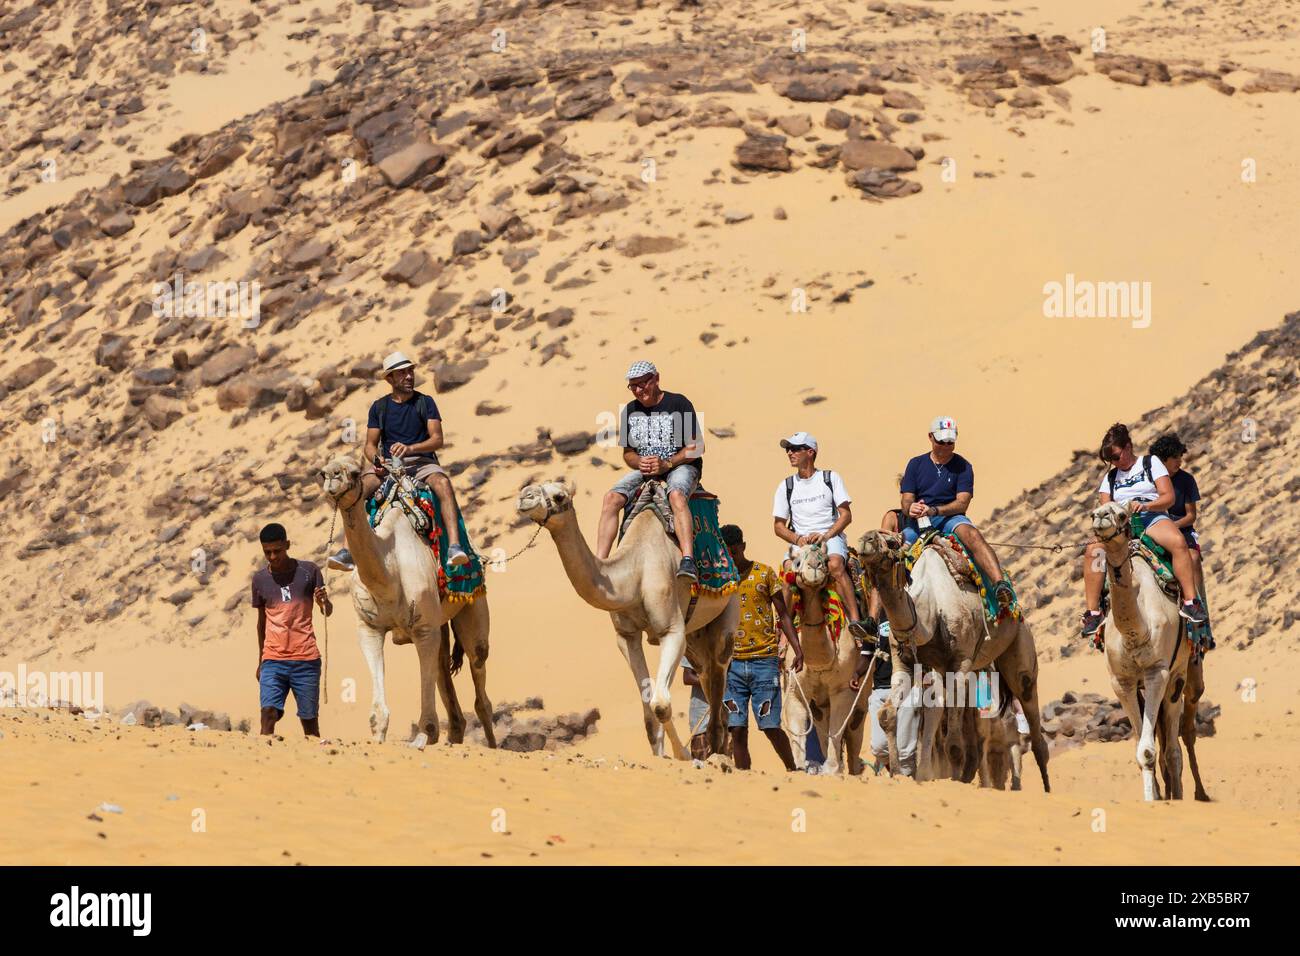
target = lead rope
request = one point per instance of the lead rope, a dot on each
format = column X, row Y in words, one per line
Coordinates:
column 325, row 651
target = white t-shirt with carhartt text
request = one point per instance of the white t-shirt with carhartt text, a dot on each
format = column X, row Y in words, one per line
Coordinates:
column 1132, row 485
column 814, row 505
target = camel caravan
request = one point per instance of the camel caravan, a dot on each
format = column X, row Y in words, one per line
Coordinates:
column 913, row 642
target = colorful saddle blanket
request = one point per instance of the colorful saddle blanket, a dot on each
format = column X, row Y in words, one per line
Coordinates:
column 463, row 583
column 713, row 564
column 832, row 606
column 963, row 567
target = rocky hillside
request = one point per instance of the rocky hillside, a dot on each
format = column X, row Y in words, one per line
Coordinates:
column 451, row 179
column 1241, row 425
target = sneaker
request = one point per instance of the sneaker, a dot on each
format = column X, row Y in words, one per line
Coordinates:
column 1193, row 611
column 1022, row 724
column 1003, row 595
column 456, row 555
column 883, row 629
column 1091, row 621
column 342, row 561
column 862, row 632
column 687, row 569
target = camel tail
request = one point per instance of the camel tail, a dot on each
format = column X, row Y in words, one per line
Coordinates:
column 457, row 648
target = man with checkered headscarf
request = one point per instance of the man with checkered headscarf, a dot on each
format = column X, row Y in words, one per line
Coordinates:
column 661, row 438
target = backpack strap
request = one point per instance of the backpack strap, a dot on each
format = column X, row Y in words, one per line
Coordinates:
column 1110, row 479
column 789, row 493
column 826, row 477
column 1146, row 469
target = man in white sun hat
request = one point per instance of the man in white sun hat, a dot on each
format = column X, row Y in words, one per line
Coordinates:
column 406, row 424
column 661, row 438
column 937, row 487
column 812, row 507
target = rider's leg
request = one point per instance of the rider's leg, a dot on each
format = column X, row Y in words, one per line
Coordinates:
column 610, row 508
column 844, row 586
column 1171, row 539
column 984, row 557
column 440, row 484
column 682, row 522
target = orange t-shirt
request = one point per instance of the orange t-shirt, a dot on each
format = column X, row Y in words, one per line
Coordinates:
column 288, row 604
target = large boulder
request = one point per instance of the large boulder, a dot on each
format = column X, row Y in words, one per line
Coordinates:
column 763, row 152
column 410, row 163
column 873, row 154
column 227, row 363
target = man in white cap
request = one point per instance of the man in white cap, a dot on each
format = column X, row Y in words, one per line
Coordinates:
column 407, row 425
column 812, row 507
column 938, row 488
column 662, row 439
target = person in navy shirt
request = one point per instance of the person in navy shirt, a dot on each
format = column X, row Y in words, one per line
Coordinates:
column 938, row 486
column 1170, row 450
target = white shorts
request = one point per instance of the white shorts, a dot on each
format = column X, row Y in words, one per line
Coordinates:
column 836, row 545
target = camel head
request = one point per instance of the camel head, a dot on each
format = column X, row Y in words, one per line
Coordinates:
column 1111, row 521
column 879, row 550
column 544, row 501
column 340, row 476
column 811, row 566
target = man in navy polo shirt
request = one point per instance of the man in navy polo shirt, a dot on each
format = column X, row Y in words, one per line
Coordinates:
column 407, row 425
column 937, row 487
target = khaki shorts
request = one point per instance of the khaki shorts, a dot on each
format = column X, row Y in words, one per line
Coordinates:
column 424, row 469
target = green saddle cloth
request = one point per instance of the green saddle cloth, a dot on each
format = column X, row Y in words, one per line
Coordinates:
column 463, row 583
column 712, row 559
column 1162, row 563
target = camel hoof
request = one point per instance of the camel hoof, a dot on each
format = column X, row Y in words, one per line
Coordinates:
column 419, row 742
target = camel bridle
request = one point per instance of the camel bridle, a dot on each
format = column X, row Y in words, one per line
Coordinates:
column 356, row 484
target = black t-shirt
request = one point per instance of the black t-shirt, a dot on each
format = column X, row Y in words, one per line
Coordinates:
column 661, row 430
column 1185, row 490
column 884, row 667
column 406, row 422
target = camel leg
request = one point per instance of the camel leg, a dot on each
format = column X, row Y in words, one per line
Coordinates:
column 714, row 641
column 1191, row 697
column 1018, row 671
column 372, row 648
column 434, row 659
column 798, row 723
column 838, row 711
column 1171, row 757
column 1153, row 690
column 854, row 733
column 634, row 654
column 455, row 715
column 471, row 625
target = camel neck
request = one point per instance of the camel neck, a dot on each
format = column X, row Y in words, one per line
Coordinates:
column 1124, row 588
column 363, row 544
column 818, row 652
column 590, row 576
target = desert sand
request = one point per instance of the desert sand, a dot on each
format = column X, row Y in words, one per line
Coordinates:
column 919, row 303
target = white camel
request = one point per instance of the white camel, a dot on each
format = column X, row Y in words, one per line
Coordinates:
column 638, row 585
column 1146, row 652
column 395, row 589
column 838, row 712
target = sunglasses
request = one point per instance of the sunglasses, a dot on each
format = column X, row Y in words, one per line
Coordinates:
column 937, row 442
column 640, row 384
column 791, row 449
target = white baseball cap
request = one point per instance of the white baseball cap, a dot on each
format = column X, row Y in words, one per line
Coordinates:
column 397, row 361
column 943, row 428
column 799, row 438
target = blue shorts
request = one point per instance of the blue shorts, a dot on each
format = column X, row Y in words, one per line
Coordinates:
column 1147, row 518
column 756, row 682
column 302, row 677
column 946, row 525
column 683, row 478
column 698, row 712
